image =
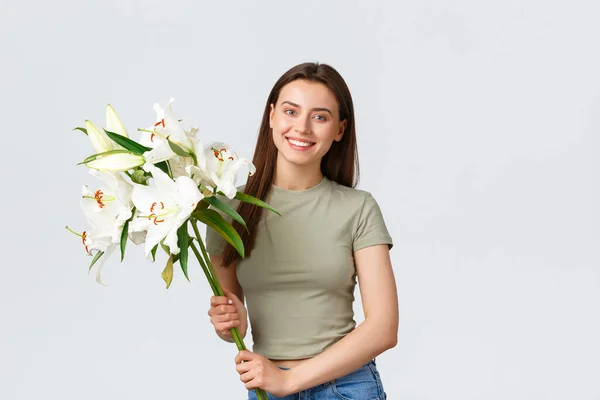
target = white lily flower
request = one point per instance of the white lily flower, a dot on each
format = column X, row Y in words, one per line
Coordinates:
column 117, row 161
column 167, row 126
column 94, row 241
column 108, row 205
column 218, row 167
column 163, row 208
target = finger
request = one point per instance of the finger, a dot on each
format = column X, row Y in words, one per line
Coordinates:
column 244, row 367
column 219, row 300
column 225, row 317
column 224, row 327
column 248, row 376
column 244, row 355
column 221, row 309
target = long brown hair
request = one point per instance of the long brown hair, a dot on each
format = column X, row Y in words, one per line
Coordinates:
column 340, row 164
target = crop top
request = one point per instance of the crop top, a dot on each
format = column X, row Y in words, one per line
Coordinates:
column 299, row 280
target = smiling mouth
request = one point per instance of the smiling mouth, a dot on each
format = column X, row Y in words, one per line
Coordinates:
column 300, row 143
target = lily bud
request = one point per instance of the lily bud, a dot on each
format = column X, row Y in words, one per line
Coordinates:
column 100, row 141
column 116, row 161
column 113, row 123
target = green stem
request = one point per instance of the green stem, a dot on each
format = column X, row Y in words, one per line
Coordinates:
column 213, row 280
column 217, row 290
column 204, row 268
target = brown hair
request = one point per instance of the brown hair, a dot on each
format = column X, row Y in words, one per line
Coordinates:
column 340, row 164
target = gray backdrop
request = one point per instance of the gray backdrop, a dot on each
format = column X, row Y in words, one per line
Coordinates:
column 478, row 128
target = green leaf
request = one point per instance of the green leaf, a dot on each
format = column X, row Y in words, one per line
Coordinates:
column 81, row 129
column 163, row 167
column 127, row 143
column 246, row 198
column 96, row 258
column 177, row 149
column 124, row 234
column 202, row 204
column 220, row 205
column 167, row 273
column 153, row 252
column 214, row 220
column 183, row 243
column 165, row 247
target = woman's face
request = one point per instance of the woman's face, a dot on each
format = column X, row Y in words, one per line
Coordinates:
column 305, row 122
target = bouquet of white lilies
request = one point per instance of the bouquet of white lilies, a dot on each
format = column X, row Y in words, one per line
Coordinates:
column 151, row 191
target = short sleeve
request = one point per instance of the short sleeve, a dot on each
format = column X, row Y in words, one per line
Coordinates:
column 371, row 229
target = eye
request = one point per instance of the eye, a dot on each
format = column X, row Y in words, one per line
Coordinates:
column 321, row 117
column 289, row 112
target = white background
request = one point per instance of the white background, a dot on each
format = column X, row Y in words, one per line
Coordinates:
column 478, row 126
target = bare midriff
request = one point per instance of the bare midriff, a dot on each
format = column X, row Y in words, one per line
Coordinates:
column 289, row 363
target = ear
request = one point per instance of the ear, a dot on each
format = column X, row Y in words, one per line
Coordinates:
column 341, row 131
column 271, row 115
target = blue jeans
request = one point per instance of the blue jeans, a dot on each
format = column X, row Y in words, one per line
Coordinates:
column 362, row 384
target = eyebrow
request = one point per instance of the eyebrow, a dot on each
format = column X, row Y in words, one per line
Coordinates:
column 314, row 109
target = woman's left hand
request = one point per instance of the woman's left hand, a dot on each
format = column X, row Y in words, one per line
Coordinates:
column 257, row 371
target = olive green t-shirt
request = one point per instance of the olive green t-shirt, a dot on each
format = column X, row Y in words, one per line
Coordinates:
column 299, row 280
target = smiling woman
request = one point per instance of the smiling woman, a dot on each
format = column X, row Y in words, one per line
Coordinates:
column 301, row 267
column 304, row 121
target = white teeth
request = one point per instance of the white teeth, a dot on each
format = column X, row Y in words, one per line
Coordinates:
column 301, row 144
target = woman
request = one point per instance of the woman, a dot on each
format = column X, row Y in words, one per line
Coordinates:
column 300, row 269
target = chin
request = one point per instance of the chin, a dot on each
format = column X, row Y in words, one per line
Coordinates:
column 297, row 159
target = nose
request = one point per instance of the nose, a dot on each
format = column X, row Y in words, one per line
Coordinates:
column 302, row 126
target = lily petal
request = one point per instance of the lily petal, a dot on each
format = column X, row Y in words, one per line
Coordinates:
column 161, row 152
column 100, row 141
column 100, row 263
column 117, row 162
column 113, row 123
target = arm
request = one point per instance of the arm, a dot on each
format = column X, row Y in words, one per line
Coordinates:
column 228, row 280
column 377, row 333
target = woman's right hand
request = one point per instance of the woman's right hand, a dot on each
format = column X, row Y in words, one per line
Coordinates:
column 227, row 312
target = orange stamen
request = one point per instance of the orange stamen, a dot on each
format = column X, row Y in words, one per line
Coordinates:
column 162, row 206
column 98, row 196
column 152, row 137
column 161, row 122
column 83, row 239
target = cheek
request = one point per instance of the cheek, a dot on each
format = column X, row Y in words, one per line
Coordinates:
column 280, row 125
column 327, row 133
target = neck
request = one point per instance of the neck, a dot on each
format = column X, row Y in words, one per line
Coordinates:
column 296, row 177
